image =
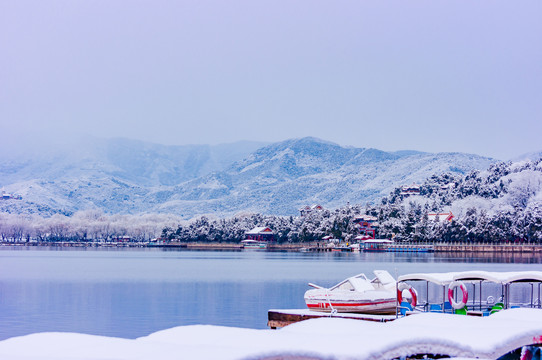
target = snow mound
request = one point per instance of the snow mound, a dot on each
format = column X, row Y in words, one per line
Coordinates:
column 323, row 338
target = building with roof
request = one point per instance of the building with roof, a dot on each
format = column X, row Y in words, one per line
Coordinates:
column 440, row 217
column 367, row 225
column 8, row 196
column 407, row 190
column 261, row 233
column 305, row 210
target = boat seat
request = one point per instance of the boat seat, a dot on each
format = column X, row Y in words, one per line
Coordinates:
column 435, row 308
column 497, row 307
column 448, row 307
column 404, row 307
column 462, row 311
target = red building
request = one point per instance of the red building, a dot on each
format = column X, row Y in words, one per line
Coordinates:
column 413, row 189
column 367, row 225
column 260, row 234
column 440, row 217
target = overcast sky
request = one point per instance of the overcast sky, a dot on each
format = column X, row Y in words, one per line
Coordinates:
column 424, row 75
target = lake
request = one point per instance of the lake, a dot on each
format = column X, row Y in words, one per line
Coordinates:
column 132, row 292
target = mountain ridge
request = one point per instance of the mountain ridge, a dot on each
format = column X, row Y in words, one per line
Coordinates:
column 124, row 176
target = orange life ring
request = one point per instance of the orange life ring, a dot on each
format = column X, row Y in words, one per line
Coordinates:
column 413, row 294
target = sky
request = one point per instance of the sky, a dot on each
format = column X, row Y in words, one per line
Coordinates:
column 436, row 76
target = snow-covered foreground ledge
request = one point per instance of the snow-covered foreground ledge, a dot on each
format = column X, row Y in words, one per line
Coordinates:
column 325, row 338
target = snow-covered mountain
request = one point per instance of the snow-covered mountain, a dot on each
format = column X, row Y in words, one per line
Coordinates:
column 282, row 177
column 141, row 163
column 114, row 175
column 124, row 176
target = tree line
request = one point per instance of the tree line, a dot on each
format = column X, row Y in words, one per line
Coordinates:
column 83, row 226
column 500, row 204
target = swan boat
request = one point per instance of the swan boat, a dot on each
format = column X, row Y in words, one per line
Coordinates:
column 356, row 294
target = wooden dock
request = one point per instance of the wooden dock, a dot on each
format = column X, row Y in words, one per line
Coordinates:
column 281, row 318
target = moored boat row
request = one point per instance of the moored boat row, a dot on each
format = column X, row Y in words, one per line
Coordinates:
column 382, row 245
column 478, row 293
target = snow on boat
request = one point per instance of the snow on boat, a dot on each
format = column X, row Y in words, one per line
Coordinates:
column 474, row 292
column 357, row 294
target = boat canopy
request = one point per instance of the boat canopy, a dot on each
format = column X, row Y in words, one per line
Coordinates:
column 500, row 277
column 496, row 277
column 377, row 241
column 437, row 278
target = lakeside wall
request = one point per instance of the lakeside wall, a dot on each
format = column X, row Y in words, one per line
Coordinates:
column 481, row 248
column 533, row 249
column 439, row 247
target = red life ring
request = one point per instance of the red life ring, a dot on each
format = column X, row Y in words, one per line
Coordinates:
column 463, row 302
column 413, row 294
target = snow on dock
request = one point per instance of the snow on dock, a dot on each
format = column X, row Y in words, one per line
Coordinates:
column 324, row 338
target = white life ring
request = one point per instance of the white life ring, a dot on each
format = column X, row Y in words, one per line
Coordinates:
column 463, row 302
column 413, row 294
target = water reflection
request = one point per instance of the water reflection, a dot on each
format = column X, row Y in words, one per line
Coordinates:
column 133, row 292
column 452, row 257
column 132, row 310
column 488, row 257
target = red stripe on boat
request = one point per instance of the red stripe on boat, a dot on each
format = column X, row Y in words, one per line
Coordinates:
column 326, row 304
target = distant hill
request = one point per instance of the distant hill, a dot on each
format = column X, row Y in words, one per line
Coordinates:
column 126, row 176
column 141, row 163
column 500, row 204
column 529, row 156
column 114, row 175
column 282, row 177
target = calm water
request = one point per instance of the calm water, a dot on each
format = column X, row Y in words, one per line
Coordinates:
column 133, row 292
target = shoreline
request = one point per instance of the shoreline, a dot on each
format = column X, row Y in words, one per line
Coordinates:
column 308, row 247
